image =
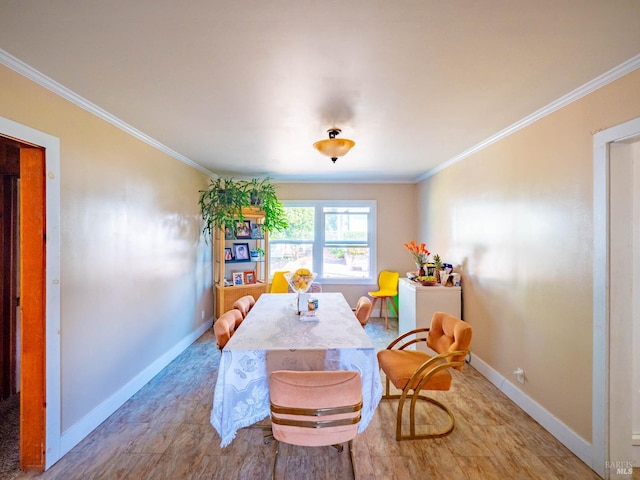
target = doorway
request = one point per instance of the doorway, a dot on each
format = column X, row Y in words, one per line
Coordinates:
column 40, row 173
column 9, row 285
column 22, row 226
column 616, row 314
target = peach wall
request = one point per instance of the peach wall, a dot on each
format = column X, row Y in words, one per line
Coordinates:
column 396, row 221
column 135, row 272
column 516, row 220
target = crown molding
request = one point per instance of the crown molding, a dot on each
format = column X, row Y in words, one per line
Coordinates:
column 614, row 74
column 31, row 73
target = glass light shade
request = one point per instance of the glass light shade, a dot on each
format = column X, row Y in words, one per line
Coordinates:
column 334, row 147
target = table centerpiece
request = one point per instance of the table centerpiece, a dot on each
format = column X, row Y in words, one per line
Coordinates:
column 300, row 281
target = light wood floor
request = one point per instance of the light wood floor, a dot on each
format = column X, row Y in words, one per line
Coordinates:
column 164, row 432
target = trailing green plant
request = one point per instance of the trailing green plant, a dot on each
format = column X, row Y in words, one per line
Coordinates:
column 262, row 194
column 222, row 203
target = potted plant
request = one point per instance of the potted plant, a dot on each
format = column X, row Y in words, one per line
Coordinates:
column 222, row 203
column 262, row 194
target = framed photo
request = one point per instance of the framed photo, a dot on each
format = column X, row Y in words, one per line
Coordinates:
column 243, row 229
column 228, row 254
column 241, row 252
column 237, row 278
column 228, row 234
column 249, row 277
column 256, row 231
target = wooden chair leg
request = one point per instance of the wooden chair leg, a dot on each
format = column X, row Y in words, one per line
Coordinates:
column 386, row 312
column 373, row 304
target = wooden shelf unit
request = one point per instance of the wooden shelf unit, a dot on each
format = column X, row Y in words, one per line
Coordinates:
column 225, row 296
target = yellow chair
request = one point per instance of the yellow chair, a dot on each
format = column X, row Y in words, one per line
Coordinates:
column 279, row 284
column 387, row 289
column 413, row 371
column 315, row 408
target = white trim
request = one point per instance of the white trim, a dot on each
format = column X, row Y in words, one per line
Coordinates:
column 52, row 285
column 566, row 436
column 76, row 433
column 31, row 73
column 601, row 294
column 589, row 87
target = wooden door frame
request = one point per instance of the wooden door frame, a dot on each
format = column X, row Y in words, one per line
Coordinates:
column 49, row 406
column 611, row 396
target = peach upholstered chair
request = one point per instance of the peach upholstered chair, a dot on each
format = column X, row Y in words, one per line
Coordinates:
column 225, row 326
column 244, row 304
column 363, row 310
column 413, row 371
column 315, row 408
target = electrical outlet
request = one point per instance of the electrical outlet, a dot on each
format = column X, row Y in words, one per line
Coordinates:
column 519, row 373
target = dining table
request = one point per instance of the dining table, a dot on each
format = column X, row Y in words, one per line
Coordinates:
column 273, row 336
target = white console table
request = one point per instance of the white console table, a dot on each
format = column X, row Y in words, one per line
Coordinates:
column 418, row 304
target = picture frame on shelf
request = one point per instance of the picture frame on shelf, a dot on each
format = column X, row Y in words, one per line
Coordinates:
column 256, row 231
column 243, row 229
column 249, row 277
column 228, row 234
column 241, row 252
column 228, row 254
column 238, row 278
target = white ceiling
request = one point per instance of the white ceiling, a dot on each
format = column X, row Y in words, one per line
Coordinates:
column 246, row 87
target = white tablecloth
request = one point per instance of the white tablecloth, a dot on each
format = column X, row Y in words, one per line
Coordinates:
column 273, row 337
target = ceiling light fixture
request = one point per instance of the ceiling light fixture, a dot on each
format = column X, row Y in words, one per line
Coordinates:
column 334, row 147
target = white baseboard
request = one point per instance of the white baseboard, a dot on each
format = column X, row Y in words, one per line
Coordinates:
column 77, row 432
column 581, row 448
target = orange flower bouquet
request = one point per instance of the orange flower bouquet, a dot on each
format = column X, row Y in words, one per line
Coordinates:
column 419, row 252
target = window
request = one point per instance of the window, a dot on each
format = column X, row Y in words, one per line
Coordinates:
column 332, row 238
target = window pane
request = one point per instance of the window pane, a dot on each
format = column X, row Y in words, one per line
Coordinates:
column 345, row 262
column 290, row 256
column 349, row 225
column 301, row 225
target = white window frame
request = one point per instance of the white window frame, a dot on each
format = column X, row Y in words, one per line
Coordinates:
column 319, row 241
